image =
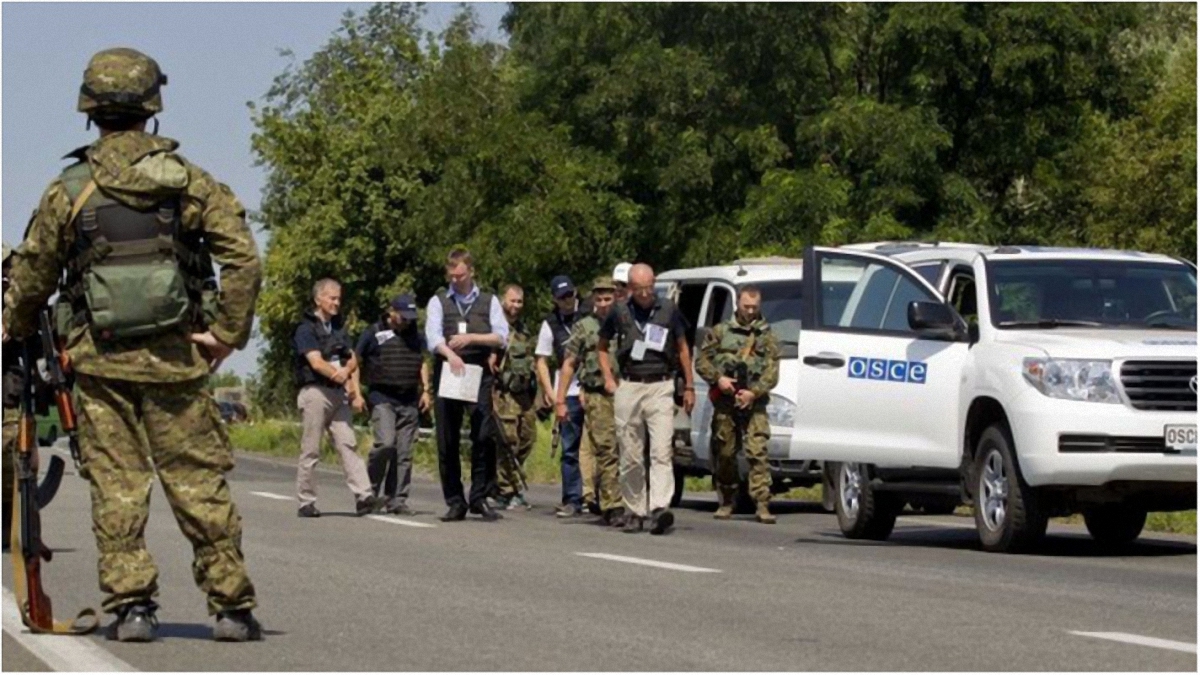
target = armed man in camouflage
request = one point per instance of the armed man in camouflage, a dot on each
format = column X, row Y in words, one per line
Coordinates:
column 740, row 361
column 136, row 228
column 14, row 380
column 513, row 397
column 598, row 457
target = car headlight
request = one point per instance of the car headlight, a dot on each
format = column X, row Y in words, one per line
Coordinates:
column 1073, row 379
column 781, row 412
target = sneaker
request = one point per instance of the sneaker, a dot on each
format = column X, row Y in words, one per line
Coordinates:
column 485, row 512
column 455, row 513
column 366, row 505
column 309, row 511
column 632, row 524
column 568, row 511
column 237, row 625
column 519, row 501
column 501, row 503
column 135, row 623
column 662, row 520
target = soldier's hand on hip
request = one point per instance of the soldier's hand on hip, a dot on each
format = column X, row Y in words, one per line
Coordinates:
column 727, row 385
column 215, row 351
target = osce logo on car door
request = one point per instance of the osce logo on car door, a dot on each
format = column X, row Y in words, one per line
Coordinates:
column 866, row 368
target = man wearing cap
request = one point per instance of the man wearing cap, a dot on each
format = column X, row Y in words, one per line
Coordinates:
column 552, row 339
column 598, row 458
column 393, row 354
column 620, row 279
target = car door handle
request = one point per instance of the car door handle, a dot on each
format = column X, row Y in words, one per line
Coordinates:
column 825, row 360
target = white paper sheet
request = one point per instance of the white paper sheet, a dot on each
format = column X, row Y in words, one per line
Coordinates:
column 465, row 388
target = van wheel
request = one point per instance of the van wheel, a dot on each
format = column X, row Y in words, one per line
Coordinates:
column 1113, row 524
column 680, row 484
column 1008, row 514
column 862, row 512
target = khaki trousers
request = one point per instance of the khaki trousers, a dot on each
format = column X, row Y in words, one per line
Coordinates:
column 640, row 407
column 326, row 408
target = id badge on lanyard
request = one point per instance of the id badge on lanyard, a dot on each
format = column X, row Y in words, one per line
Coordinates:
column 462, row 325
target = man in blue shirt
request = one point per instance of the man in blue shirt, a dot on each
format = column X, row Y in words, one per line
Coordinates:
column 463, row 326
column 392, row 353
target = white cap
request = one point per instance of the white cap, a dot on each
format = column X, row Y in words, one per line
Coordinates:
column 621, row 273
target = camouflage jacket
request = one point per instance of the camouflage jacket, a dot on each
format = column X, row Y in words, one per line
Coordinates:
column 517, row 365
column 729, row 343
column 581, row 346
column 140, row 170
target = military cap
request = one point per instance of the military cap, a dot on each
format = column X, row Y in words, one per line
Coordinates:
column 603, row 284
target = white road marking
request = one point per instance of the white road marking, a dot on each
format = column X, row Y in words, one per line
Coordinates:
column 1140, row 640
column 271, row 495
column 649, row 563
column 400, row 521
column 66, row 653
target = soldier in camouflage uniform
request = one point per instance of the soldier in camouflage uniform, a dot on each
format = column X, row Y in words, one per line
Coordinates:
column 742, row 348
column 134, row 225
column 13, row 381
column 598, row 456
column 514, row 400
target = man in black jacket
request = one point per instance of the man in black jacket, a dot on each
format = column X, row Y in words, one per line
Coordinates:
column 392, row 353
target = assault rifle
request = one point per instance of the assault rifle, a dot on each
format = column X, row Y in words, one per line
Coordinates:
column 57, row 367
column 28, row 549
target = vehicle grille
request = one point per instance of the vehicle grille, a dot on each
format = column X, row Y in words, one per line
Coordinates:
column 1160, row 385
column 1099, row 443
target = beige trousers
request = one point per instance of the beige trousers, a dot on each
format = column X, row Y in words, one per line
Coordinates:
column 325, row 408
column 641, row 407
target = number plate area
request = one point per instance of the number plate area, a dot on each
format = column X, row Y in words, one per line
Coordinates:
column 1180, row 437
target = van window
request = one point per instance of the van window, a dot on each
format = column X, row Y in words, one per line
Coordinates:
column 720, row 306
column 691, row 297
column 867, row 296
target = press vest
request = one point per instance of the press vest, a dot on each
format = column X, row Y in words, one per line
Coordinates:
column 477, row 317
column 654, row 363
column 334, row 343
column 397, row 365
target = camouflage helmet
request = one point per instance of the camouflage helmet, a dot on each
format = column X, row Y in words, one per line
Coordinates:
column 121, row 81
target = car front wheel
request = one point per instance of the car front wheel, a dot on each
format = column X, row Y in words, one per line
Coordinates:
column 862, row 512
column 1008, row 514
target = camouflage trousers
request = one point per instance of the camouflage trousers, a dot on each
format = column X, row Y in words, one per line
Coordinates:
column 11, row 418
column 128, row 431
column 599, row 459
column 755, row 437
column 518, row 423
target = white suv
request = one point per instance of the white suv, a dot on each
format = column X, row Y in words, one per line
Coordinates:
column 1033, row 382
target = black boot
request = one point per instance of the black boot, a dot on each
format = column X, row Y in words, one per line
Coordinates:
column 455, row 512
column 484, row 511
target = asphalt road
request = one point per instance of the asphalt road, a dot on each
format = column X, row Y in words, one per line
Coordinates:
column 532, row 593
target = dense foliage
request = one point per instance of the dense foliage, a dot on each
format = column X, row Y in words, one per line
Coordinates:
column 689, row 134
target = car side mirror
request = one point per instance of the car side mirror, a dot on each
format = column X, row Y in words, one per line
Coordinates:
column 936, row 321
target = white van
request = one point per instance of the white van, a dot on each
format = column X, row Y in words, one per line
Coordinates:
column 1069, row 386
column 707, row 296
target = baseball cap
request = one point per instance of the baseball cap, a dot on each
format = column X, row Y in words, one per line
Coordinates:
column 621, row 273
column 561, row 286
column 406, row 305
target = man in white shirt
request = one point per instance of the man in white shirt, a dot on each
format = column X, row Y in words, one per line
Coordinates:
column 463, row 325
column 552, row 339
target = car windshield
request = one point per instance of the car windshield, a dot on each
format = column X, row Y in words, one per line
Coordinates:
column 781, row 308
column 1107, row 293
